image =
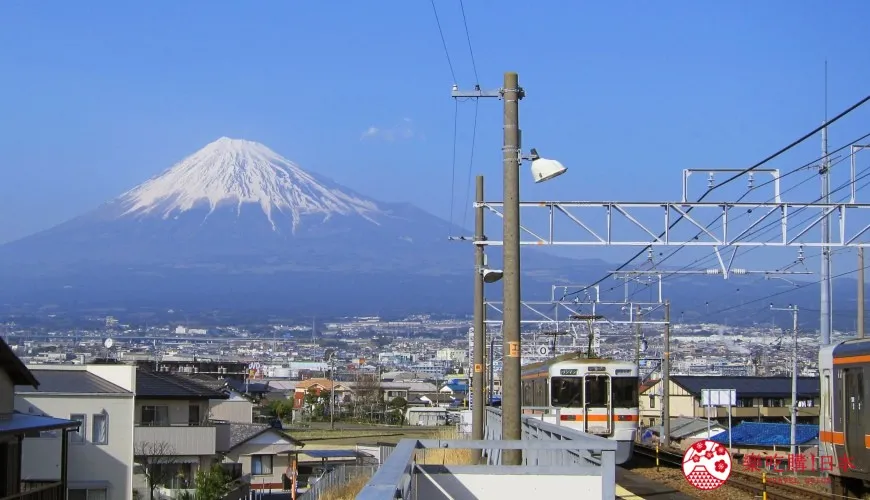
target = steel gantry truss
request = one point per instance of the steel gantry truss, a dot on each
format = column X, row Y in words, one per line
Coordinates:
column 598, row 227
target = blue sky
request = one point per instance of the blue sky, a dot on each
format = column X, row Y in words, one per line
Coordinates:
column 96, row 99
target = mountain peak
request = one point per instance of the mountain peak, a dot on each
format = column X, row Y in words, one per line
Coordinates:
column 236, row 172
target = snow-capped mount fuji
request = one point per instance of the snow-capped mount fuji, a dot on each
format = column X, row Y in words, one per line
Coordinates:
column 237, row 226
column 237, row 206
column 236, row 172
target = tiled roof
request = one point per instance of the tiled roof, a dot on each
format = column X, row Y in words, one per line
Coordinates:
column 14, row 368
column 71, row 382
column 241, row 432
column 758, row 387
column 207, row 380
column 169, row 386
column 764, row 434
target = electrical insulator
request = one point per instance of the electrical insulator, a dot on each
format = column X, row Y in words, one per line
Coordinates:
column 739, row 271
column 751, row 180
column 714, row 271
column 710, row 180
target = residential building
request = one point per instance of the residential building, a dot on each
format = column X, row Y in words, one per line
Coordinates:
column 100, row 398
column 235, row 408
column 15, row 426
column 264, row 454
column 172, row 437
column 758, row 399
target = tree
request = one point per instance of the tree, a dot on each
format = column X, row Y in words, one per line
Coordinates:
column 398, row 406
column 154, row 459
column 212, row 484
column 367, row 395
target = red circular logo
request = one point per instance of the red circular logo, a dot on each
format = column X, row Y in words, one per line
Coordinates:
column 707, row 465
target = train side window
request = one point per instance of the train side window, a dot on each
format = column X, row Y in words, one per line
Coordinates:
column 625, row 392
column 567, row 392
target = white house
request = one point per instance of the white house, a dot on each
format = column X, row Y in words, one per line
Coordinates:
column 101, row 452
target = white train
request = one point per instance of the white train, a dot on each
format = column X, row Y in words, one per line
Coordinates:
column 596, row 396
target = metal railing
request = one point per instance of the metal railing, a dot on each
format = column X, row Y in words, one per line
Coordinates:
column 549, row 452
column 336, row 478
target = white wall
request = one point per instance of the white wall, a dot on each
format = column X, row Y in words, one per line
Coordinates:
column 87, row 461
column 178, row 409
column 238, row 411
column 124, row 376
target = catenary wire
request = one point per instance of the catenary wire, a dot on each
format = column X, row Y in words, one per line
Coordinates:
column 771, row 225
column 732, row 178
column 444, row 42
column 468, row 37
column 717, row 219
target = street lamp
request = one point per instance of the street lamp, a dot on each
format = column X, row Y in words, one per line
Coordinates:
column 544, row 169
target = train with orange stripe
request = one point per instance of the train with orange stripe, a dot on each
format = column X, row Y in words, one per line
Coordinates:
column 844, row 418
column 593, row 395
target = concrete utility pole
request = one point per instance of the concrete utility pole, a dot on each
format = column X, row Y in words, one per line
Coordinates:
column 794, row 372
column 860, row 292
column 511, row 402
column 825, row 306
column 477, row 382
column 666, row 378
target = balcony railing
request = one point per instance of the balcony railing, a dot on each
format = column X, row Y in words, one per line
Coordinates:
column 177, row 440
column 50, row 491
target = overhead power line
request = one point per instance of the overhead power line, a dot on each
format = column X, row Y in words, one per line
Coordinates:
column 729, row 180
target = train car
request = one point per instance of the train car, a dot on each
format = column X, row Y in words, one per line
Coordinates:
column 596, row 396
column 844, row 417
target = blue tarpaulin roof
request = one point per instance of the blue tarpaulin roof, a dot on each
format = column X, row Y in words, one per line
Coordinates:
column 764, row 434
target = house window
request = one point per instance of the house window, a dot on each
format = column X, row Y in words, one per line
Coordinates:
column 652, row 402
column 79, row 435
column 92, row 494
column 261, row 465
column 100, row 428
column 806, row 403
column 155, row 415
column 774, row 402
column 193, row 415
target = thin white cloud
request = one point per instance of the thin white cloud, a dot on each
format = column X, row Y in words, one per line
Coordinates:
column 401, row 132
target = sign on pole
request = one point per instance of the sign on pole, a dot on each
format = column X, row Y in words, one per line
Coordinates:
column 711, row 398
column 718, row 397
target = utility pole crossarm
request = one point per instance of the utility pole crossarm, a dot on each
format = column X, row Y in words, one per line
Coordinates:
column 459, row 94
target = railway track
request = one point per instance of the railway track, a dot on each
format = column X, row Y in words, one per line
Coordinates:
column 740, row 480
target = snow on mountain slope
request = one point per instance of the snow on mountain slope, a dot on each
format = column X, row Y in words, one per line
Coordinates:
column 234, row 171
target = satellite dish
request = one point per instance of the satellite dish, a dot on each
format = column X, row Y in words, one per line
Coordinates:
column 108, row 343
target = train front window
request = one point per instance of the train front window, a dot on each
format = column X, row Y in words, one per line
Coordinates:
column 566, row 392
column 624, row 392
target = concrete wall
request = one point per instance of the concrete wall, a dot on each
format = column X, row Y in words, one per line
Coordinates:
column 112, row 462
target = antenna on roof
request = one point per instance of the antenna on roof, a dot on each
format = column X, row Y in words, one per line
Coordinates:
column 108, row 343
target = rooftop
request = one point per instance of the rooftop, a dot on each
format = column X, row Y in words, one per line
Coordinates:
column 24, row 422
column 749, row 386
column 170, row 386
column 71, row 382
